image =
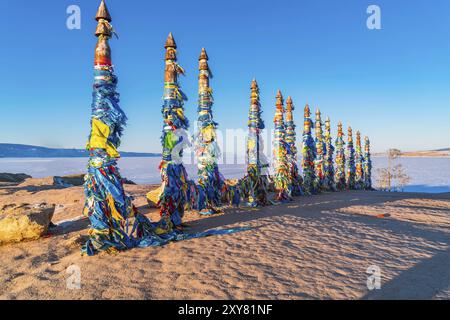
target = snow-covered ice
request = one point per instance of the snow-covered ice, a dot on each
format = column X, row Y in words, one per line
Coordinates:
column 427, row 174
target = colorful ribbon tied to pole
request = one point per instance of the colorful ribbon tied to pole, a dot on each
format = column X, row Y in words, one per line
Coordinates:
column 210, row 180
column 308, row 155
column 351, row 169
column 329, row 163
column 319, row 163
column 175, row 188
column 367, row 165
column 255, row 184
column 359, row 158
column 296, row 181
column 281, row 176
column 340, row 160
column 106, row 205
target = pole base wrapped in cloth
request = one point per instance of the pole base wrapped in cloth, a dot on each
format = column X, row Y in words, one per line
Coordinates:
column 174, row 195
column 255, row 187
column 211, row 186
column 231, row 192
column 107, row 206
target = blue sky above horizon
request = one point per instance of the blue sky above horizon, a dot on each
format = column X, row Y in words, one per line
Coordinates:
column 392, row 84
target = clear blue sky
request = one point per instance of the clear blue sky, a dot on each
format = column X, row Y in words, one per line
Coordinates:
column 392, row 84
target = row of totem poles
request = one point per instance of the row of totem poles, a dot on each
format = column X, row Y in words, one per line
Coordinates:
column 109, row 207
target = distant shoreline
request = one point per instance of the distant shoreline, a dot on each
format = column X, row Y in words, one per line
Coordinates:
column 125, row 155
column 122, row 155
column 9, row 150
column 419, row 154
column 20, row 151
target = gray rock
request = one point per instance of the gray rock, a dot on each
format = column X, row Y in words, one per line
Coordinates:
column 76, row 180
column 13, row 177
column 69, row 181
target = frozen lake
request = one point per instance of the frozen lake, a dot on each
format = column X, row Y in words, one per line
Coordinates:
column 427, row 174
column 139, row 170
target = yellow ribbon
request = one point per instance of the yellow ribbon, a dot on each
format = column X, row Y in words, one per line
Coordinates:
column 112, row 205
column 99, row 138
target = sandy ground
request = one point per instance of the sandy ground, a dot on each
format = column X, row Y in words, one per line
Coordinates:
column 317, row 247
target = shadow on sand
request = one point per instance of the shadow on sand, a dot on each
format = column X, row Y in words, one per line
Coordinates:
column 418, row 282
column 421, row 282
